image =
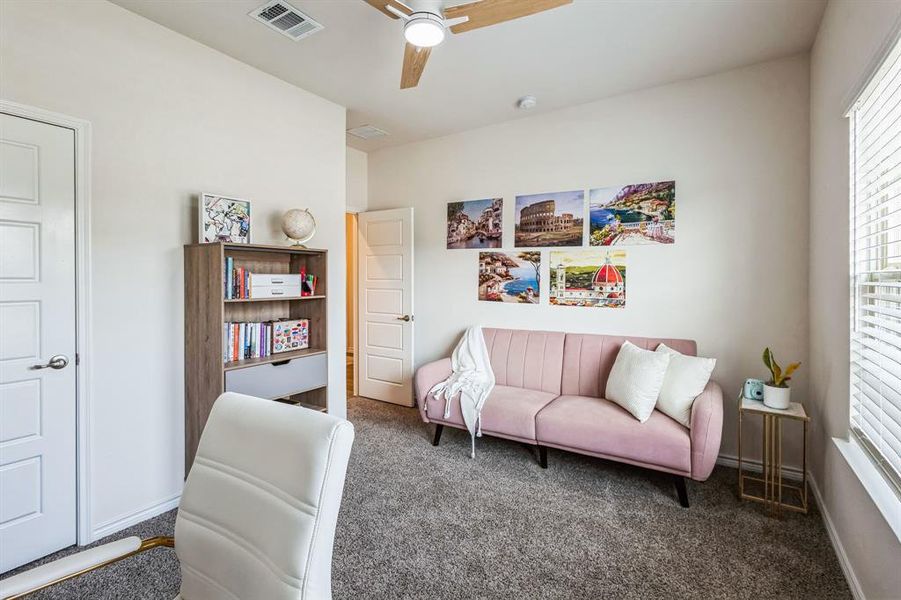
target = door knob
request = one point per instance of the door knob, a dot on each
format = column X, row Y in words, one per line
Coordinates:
column 56, row 362
column 406, row 318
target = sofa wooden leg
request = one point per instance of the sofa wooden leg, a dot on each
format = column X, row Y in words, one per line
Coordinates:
column 542, row 457
column 681, row 490
column 437, row 438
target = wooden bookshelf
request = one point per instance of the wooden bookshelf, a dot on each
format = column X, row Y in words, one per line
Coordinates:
column 298, row 377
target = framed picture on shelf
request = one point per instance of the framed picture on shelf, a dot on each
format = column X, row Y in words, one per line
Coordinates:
column 223, row 219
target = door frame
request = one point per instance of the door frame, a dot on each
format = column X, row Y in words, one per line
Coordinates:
column 83, row 314
column 355, row 334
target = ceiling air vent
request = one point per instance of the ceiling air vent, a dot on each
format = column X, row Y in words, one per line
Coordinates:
column 367, row 132
column 285, row 19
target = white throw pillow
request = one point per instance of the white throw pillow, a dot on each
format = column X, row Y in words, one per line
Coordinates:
column 686, row 377
column 636, row 378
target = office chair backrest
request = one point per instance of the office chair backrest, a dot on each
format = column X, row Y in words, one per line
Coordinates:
column 258, row 513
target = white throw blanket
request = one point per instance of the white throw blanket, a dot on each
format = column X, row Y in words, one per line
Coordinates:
column 472, row 378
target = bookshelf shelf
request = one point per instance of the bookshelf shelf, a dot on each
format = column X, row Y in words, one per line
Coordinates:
column 273, row 299
column 274, row 358
column 298, row 377
column 311, row 406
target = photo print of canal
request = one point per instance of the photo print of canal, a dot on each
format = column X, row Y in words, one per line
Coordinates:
column 475, row 224
column 510, row 277
column 643, row 213
column 588, row 278
column 549, row 219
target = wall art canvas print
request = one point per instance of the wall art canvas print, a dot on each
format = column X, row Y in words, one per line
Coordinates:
column 550, row 219
column 588, row 278
column 643, row 213
column 475, row 223
column 224, row 219
column 510, row 277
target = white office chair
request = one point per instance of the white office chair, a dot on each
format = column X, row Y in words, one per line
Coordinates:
column 258, row 512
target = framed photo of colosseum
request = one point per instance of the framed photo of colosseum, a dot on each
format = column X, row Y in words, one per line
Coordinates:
column 549, row 219
column 475, row 223
column 641, row 213
column 510, row 277
column 588, row 278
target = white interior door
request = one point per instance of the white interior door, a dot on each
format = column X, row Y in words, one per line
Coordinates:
column 37, row 327
column 385, row 254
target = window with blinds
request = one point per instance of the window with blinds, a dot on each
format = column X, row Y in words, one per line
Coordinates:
column 876, row 267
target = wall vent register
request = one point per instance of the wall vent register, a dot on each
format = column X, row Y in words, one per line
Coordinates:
column 285, row 19
column 367, row 132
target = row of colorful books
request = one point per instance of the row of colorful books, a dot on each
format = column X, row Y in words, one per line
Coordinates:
column 246, row 340
column 237, row 281
column 241, row 341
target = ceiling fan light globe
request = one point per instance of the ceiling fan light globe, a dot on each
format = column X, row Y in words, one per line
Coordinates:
column 424, row 31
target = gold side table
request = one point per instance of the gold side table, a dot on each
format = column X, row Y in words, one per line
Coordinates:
column 775, row 494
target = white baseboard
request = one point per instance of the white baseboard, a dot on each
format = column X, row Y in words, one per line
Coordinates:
column 118, row 524
column 837, row 546
column 794, row 473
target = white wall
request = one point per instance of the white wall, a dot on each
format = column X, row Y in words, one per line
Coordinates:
column 357, row 179
column 170, row 118
column 850, row 36
column 736, row 278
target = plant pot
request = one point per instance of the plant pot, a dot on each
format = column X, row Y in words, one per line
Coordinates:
column 776, row 397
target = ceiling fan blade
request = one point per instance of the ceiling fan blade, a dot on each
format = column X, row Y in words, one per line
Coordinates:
column 490, row 12
column 382, row 5
column 414, row 63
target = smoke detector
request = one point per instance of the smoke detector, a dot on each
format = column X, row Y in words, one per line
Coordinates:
column 285, row 19
column 367, row 132
column 527, row 103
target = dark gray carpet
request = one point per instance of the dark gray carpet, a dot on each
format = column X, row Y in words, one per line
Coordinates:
column 423, row 522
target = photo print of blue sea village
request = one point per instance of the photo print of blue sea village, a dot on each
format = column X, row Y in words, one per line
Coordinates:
column 643, row 213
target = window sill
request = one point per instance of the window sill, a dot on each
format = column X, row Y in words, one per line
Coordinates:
column 873, row 481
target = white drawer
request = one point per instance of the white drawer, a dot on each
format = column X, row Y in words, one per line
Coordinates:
column 275, row 279
column 278, row 379
column 274, row 291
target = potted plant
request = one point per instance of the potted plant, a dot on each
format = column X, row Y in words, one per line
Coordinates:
column 776, row 393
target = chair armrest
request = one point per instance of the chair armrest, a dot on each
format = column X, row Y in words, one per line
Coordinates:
column 426, row 377
column 706, row 430
column 75, row 564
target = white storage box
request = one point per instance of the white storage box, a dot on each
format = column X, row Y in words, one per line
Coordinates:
column 264, row 285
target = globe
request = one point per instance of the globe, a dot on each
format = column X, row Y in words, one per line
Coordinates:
column 299, row 225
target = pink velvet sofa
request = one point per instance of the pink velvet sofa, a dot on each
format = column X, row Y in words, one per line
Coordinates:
column 549, row 394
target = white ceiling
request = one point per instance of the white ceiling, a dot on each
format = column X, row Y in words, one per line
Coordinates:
column 567, row 56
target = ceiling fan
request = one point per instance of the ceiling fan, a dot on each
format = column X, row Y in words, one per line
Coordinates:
column 427, row 21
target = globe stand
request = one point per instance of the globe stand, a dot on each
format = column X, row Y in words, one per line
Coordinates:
column 297, row 243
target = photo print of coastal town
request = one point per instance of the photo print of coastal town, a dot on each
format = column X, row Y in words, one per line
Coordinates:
column 588, row 278
column 549, row 219
column 510, row 277
column 475, row 224
column 643, row 213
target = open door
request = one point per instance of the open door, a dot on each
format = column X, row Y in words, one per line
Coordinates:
column 385, row 352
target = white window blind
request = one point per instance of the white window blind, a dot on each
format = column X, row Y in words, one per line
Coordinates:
column 876, row 267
